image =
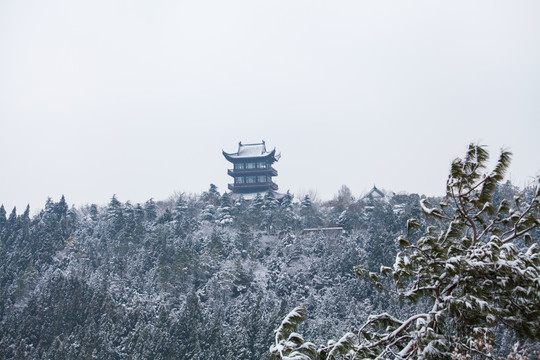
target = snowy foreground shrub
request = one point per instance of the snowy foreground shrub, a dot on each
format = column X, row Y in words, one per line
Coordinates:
column 476, row 264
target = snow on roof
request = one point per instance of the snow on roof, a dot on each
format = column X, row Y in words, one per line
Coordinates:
column 374, row 193
column 257, row 150
column 251, row 150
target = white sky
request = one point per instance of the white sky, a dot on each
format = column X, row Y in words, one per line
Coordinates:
column 138, row 98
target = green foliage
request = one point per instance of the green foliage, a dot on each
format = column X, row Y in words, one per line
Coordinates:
column 309, row 213
column 110, row 282
column 287, row 343
column 212, row 196
column 150, row 210
column 469, row 268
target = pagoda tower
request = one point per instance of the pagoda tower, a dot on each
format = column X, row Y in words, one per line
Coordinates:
column 252, row 168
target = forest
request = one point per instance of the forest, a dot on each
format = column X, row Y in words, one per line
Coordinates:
column 215, row 275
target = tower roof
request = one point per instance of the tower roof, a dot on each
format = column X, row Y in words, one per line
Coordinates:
column 374, row 193
column 252, row 151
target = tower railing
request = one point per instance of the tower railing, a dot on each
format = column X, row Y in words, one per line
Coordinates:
column 252, row 186
column 236, row 172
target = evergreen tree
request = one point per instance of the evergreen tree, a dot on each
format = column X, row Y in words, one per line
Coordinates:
column 343, row 199
column 138, row 214
column 209, row 213
column 286, row 217
column 191, row 323
column 241, row 278
column 212, row 196
column 215, row 246
column 12, row 219
column 166, row 217
column 270, row 204
column 224, row 216
column 3, row 225
column 115, row 215
column 150, row 210
column 214, row 347
column 3, row 218
column 240, row 207
column 61, row 207
column 269, row 201
column 180, row 215
column 255, row 211
column 24, row 225
column 345, row 220
column 286, row 202
column 244, row 238
column 114, row 210
column 469, row 271
column 310, row 218
column 180, row 209
column 93, row 211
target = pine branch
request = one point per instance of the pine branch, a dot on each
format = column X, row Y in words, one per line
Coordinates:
column 516, row 234
column 398, row 331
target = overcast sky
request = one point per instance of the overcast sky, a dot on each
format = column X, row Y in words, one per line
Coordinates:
column 138, row 98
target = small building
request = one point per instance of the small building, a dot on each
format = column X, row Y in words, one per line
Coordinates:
column 252, row 168
column 374, row 194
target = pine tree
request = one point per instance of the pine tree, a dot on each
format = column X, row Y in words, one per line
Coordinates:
column 61, row 207
column 180, row 209
column 240, row 278
column 215, row 339
column 191, row 323
column 12, row 223
column 212, row 196
column 93, row 212
column 286, row 217
column 208, row 213
column 215, row 246
column 343, row 199
column 180, row 215
column 114, row 210
column 345, row 220
column 244, row 238
column 309, row 214
column 150, row 210
column 240, row 208
column 467, row 266
column 269, row 207
column 224, row 211
column 255, row 211
column 24, row 225
column 166, row 217
column 2, row 217
column 138, row 214
column 115, row 215
column 3, row 225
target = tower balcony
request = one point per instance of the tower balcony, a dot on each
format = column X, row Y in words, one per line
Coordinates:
column 253, row 187
column 245, row 172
